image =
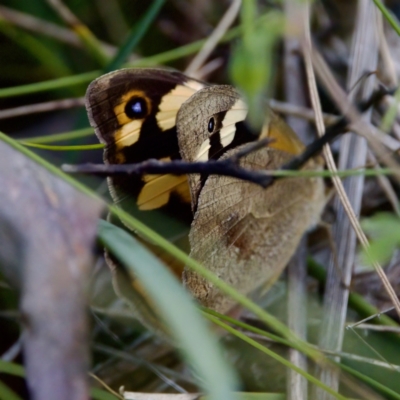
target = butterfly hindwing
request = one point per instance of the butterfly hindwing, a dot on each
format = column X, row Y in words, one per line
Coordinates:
column 243, row 233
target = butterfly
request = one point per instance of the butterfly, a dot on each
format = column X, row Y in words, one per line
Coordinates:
column 243, row 233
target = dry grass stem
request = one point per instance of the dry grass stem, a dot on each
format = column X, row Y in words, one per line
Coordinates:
column 351, row 326
column 209, row 68
column 64, row 12
column 348, row 109
column 295, row 93
column 380, row 328
column 37, row 25
column 353, row 153
column 42, row 107
column 220, row 30
column 300, row 111
column 385, row 185
column 388, row 67
column 102, row 383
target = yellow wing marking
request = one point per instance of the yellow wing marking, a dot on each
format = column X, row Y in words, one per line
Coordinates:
column 158, row 188
column 172, row 101
column 129, row 132
column 235, row 114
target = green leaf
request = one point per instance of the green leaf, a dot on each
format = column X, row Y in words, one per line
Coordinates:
column 384, row 232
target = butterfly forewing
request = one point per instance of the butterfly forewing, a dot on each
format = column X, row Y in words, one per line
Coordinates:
column 134, row 113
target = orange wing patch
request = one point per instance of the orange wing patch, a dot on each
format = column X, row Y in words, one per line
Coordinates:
column 285, row 139
column 129, row 132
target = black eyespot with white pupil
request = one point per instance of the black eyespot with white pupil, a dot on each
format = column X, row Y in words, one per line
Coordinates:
column 136, row 108
column 211, row 125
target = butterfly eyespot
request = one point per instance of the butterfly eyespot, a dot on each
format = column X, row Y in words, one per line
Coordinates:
column 136, row 108
column 211, row 124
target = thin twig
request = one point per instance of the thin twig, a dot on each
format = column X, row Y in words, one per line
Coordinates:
column 388, row 16
column 213, row 167
column 227, row 167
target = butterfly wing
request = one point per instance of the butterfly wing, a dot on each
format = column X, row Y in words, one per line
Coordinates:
column 133, row 112
column 243, row 233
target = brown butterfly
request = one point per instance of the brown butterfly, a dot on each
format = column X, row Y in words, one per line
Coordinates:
column 243, row 233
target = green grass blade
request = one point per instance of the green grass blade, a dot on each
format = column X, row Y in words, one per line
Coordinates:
column 371, row 382
column 101, row 394
column 91, row 43
column 86, row 77
column 135, row 36
column 52, row 84
column 45, row 164
column 38, row 49
column 78, row 147
column 58, row 137
column 7, row 394
column 356, row 301
column 11, row 368
column 149, row 234
column 277, row 357
column 187, row 327
column 388, row 15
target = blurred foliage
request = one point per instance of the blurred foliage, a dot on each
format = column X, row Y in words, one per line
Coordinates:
column 253, row 59
column 383, row 230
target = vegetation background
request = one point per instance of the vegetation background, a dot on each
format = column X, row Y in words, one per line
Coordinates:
column 51, row 50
